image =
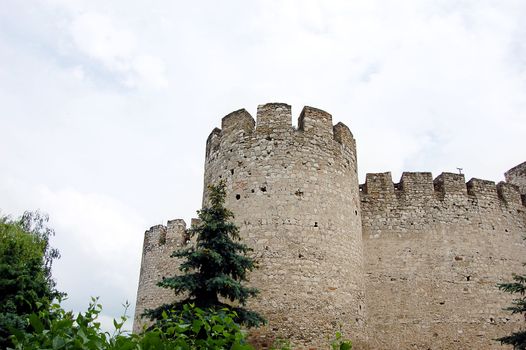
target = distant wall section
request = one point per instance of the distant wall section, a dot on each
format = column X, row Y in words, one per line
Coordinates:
column 435, row 250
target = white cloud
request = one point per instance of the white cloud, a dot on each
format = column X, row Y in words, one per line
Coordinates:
column 103, row 39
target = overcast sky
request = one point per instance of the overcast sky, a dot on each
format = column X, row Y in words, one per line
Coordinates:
column 105, row 106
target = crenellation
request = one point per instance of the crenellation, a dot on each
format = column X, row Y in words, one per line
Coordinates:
column 517, row 176
column 407, row 265
column 212, row 142
column 154, row 237
column 237, row 121
column 417, row 185
column 450, row 184
column 316, row 122
column 509, row 194
column 274, row 118
column 378, row 184
column 176, row 232
column 484, row 191
column 343, row 135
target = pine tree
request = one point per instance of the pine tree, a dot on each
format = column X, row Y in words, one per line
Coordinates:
column 215, row 266
column 518, row 286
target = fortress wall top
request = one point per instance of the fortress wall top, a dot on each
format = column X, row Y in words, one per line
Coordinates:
column 236, row 121
column 213, row 141
column 417, row 202
column 517, row 176
column 378, row 184
column 446, row 190
column 274, row 117
column 416, row 185
column 176, row 232
column 274, row 122
column 315, row 121
column 154, row 237
column 343, row 135
column 450, row 184
column 484, row 191
column 509, row 194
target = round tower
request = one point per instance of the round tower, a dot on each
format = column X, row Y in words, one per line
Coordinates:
column 294, row 193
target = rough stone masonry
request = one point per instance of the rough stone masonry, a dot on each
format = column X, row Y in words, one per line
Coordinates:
column 407, row 265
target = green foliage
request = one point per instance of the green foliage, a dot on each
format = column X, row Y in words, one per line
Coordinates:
column 195, row 328
column 55, row 328
column 518, row 286
column 340, row 343
column 191, row 328
column 25, row 271
column 215, row 266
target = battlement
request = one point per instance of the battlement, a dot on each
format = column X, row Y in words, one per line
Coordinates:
column 378, row 184
column 237, row 121
column 274, row 117
column 173, row 234
column 517, row 176
column 420, row 183
column 450, row 184
column 420, row 186
column 274, row 121
column 510, row 194
column 315, row 121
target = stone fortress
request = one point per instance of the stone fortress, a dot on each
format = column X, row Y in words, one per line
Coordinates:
column 407, row 265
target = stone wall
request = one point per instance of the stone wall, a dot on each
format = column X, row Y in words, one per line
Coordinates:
column 517, row 176
column 295, row 196
column 434, row 252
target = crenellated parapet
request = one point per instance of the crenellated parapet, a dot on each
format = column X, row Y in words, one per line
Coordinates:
column 418, row 201
column 418, row 186
column 274, row 123
column 517, row 176
column 450, row 185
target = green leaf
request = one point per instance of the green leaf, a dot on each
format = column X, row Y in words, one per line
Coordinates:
column 58, row 342
column 196, row 326
column 36, row 323
column 346, row 345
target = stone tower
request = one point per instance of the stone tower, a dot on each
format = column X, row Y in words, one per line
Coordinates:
column 294, row 192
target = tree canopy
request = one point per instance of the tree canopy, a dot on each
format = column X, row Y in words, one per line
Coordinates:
column 215, row 266
column 25, row 271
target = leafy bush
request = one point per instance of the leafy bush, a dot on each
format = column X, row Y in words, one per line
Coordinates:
column 195, row 328
column 55, row 328
column 25, row 271
column 190, row 329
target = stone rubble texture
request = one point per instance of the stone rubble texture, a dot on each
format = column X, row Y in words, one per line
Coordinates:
column 408, row 265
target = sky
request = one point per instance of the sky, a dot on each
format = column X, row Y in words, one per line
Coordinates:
column 105, row 106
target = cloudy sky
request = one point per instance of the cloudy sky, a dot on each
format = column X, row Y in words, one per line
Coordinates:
column 105, row 106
